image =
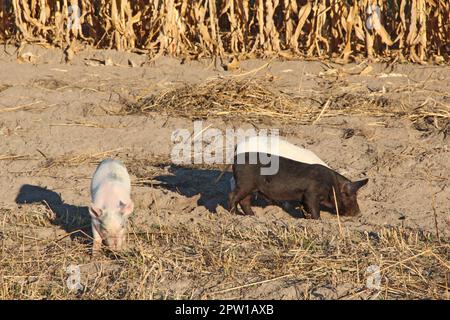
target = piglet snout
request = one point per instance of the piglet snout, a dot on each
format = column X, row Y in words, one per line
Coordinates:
column 354, row 213
column 115, row 243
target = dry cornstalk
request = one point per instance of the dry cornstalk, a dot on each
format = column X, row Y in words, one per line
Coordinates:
column 418, row 30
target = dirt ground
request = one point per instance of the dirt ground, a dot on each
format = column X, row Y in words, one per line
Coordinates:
column 58, row 120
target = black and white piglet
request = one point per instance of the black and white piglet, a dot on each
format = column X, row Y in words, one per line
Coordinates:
column 310, row 183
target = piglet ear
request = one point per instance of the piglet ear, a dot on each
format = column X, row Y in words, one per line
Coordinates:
column 95, row 212
column 353, row 187
column 358, row 184
column 126, row 208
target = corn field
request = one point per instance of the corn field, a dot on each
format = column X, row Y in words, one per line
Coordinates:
column 414, row 30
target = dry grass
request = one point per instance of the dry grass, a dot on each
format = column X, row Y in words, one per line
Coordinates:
column 415, row 30
column 9, row 157
column 32, row 106
column 71, row 160
column 254, row 100
column 221, row 258
column 217, row 256
column 228, row 98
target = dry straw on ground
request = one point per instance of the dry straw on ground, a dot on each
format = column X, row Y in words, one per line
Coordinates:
column 221, row 259
column 255, row 100
column 416, row 30
column 73, row 160
column 8, row 157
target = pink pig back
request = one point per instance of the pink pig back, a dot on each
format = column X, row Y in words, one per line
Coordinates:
column 110, row 185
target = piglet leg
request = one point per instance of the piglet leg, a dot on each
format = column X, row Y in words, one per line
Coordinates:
column 313, row 205
column 234, row 198
column 97, row 243
column 246, row 205
column 231, row 204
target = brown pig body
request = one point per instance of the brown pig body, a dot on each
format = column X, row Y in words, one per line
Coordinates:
column 311, row 184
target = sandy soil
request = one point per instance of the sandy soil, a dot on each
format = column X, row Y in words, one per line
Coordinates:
column 57, row 121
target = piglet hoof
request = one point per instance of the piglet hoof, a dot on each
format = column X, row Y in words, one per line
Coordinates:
column 248, row 212
column 312, row 217
column 233, row 209
column 237, row 212
column 96, row 248
column 95, row 253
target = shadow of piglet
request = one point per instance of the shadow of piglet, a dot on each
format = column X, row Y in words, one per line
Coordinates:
column 193, row 181
column 74, row 220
